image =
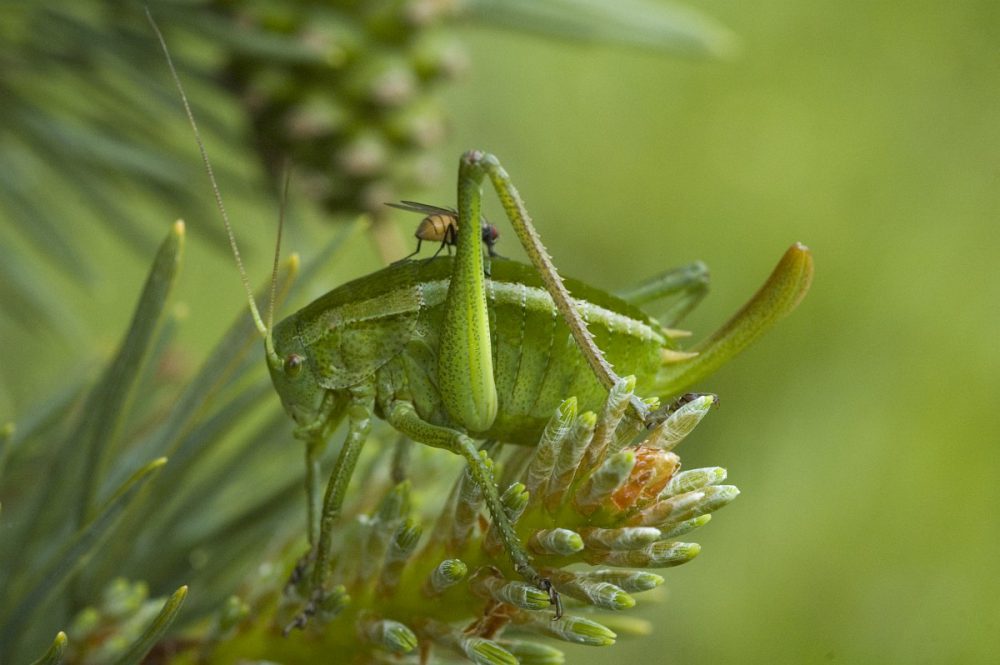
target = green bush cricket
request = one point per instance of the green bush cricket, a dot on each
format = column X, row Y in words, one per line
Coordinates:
column 453, row 351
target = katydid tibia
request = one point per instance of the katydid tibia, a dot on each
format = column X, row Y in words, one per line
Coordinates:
column 449, row 354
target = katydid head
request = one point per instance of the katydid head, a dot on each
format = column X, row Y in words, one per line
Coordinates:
column 293, row 375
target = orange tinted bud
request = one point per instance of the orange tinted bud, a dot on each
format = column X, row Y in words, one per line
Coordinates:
column 652, row 471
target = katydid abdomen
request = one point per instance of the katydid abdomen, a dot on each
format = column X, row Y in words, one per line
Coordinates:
column 389, row 322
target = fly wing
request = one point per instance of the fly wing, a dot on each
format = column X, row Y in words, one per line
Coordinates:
column 422, row 208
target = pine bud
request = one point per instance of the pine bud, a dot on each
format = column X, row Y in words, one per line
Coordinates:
column 447, row 573
column 387, row 634
column 595, row 491
column 569, row 629
column 558, row 542
column 662, row 554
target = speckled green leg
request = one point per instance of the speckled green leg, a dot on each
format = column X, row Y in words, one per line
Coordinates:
column 402, row 416
column 476, row 166
column 401, row 460
column 315, row 437
column 465, row 352
column 314, row 450
column 360, row 412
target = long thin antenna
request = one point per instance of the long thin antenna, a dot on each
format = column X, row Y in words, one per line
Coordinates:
column 277, row 246
column 211, row 176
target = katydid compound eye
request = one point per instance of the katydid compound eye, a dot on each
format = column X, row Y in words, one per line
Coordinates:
column 293, row 364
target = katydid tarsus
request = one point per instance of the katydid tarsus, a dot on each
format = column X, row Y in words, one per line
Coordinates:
column 450, row 354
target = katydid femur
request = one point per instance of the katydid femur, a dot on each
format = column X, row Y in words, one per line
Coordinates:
column 448, row 356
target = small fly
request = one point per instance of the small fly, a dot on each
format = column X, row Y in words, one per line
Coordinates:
column 441, row 225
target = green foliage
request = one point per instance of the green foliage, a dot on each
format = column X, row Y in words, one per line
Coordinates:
column 643, row 24
column 113, row 513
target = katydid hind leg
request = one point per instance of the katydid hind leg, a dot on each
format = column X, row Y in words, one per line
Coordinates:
column 465, row 371
column 404, row 418
column 476, row 166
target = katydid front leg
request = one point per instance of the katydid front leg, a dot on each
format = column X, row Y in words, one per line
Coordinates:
column 314, row 451
column 474, row 167
column 360, row 411
column 315, row 437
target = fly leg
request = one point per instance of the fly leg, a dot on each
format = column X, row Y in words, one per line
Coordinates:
column 413, row 253
column 360, row 411
column 474, row 168
column 404, row 418
column 450, row 239
column 447, row 241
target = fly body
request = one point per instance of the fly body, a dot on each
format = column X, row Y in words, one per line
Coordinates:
column 441, row 225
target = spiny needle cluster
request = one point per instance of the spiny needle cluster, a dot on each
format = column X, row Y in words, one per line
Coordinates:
column 599, row 503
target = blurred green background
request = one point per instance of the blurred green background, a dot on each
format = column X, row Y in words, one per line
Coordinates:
column 863, row 431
